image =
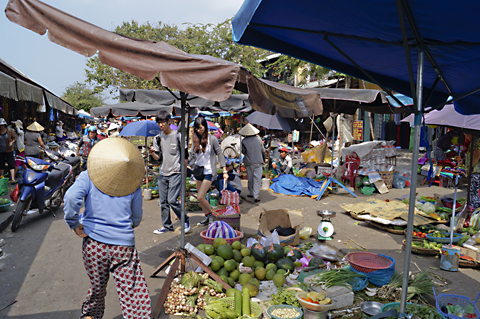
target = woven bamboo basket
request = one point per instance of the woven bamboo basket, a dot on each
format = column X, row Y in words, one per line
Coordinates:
column 387, row 177
column 355, row 216
column 395, row 231
column 232, row 220
column 423, row 251
column 467, row 263
column 377, row 225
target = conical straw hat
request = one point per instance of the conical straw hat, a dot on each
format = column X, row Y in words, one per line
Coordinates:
column 116, row 167
column 248, row 130
column 35, row 127
column 328, row 123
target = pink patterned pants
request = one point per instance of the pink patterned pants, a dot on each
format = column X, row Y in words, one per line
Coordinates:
column 123, row 262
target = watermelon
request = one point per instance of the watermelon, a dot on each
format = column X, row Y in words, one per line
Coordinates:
column 315, row 262
column 259, row 252
column 294, row 254
column 275, row 252
column 286, row 264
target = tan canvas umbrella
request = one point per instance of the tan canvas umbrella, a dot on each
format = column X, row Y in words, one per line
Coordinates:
column 201, row 75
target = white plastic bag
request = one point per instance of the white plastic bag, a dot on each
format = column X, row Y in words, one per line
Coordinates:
column 321, row 250
column 251, row 242
column 272, row 239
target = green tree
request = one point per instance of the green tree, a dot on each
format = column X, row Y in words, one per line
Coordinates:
column 203, row 39
column 82, row 97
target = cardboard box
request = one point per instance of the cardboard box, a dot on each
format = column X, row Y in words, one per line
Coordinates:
column 470, row 253
column 284, row 218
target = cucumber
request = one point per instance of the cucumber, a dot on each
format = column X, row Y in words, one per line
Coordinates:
column 246, row 301
column 238, row 302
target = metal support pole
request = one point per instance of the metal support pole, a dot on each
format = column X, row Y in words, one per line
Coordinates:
column 333, row 145
column 413, row 188
column 183, row 99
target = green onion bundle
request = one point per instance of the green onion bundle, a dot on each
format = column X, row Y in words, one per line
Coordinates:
column 336, row 277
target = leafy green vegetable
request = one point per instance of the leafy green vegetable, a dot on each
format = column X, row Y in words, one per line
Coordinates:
column 336, row 277
column 420, row 311
column 287, row 297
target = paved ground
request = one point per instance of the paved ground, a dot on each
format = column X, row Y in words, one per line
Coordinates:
column 42, row 267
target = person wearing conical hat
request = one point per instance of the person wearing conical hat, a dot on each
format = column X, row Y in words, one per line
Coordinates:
column 252, row 148
column 33, row 139
column 110, row 190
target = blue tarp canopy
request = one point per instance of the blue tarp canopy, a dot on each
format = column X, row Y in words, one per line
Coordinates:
column 292, row 185
column 365, row 39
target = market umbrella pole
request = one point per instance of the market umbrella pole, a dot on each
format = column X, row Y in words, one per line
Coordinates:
column 454, row 209
column 183, row 99
column 413, row 188
column 269, row 153
column 146, row 163
column 333, row 145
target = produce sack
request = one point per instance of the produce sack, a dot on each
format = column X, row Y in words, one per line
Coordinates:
column 380, row 277
column 229, row 198
column 475, row 219
column 220, row 229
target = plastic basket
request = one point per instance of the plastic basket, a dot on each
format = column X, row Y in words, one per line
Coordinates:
column 232, row 220
column 5, row 207
column 387, row 177
column 396, row 305
column 454, row 300
column 269, row 311
column 367, row 262
column 446, row 240
column 255, row 309
column 208, row 240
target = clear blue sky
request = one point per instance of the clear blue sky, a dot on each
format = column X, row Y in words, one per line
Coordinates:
column 55, row 67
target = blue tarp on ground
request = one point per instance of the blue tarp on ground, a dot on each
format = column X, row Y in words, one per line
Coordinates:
column 292, row 185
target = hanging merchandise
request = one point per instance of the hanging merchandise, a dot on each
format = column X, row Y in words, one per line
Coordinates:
column 51, row 117
column 296, row 136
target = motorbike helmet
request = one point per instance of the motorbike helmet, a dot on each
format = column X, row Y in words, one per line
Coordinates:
column 92, row 128
column 101, row 126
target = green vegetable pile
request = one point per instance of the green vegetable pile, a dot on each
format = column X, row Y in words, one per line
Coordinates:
column 285, row 297
column 427, row 244
column 220, row 309
column 419, row 286
column 439, row 234
column 470, row 230
column 420, row 311
column 336, row 277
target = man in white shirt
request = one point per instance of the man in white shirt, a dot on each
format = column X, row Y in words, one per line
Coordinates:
column 283, row 164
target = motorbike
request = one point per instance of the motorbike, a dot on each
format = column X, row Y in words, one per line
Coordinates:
column 68, row 158
column 42, row 186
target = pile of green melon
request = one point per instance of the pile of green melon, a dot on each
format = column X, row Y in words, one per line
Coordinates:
column 259, row 263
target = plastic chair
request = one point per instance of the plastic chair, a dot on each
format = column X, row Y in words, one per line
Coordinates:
column 350, row 172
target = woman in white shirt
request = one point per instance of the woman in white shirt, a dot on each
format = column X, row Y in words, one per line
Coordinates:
column 205, row 150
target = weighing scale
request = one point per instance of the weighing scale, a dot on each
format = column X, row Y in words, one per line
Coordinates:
column 325, row 228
